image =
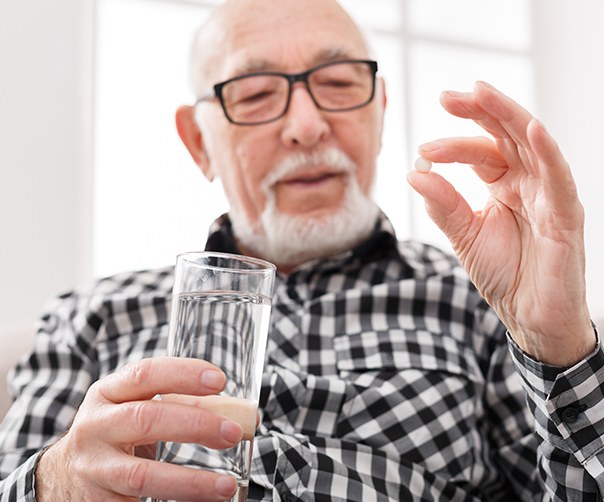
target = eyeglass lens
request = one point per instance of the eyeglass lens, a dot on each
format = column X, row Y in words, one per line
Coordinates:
column 262, row 97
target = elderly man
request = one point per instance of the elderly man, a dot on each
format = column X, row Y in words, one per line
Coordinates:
column 388, row 375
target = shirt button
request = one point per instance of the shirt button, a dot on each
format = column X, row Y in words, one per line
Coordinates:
column 570, row 415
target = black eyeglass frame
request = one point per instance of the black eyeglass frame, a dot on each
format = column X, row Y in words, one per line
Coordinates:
column 292, row 78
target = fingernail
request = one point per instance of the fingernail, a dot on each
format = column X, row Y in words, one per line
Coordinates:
column 483, row 83
column 226, row 486
column 213, row 379
column 429, row 147
column 453, row 94
column 231, row 431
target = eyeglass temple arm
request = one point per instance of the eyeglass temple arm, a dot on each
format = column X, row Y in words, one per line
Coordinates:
column 207, row 96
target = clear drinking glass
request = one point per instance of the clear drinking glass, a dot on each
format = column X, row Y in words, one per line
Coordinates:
column 220, row 313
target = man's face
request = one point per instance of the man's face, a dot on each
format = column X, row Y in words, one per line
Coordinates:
column 289, row 36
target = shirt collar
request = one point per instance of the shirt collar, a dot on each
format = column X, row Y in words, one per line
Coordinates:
column 381, row 243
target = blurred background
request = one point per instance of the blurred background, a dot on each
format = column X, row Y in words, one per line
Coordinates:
column 94, row 180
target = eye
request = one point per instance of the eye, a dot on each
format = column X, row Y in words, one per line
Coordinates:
column 253, row 90
column 335, row 82
column 255, row 97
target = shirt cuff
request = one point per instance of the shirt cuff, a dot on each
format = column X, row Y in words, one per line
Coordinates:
column 18, row 486
column 568, row 403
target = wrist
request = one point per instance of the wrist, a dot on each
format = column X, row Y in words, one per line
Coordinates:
column 561, row 351
column 47, row 475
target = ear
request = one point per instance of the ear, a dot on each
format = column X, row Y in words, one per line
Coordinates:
column 191, row 136
column 383, row 102
column 382, row 85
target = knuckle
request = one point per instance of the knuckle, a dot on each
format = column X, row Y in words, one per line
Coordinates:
column 142, row 417
column 77, row 464
column 137, row 372
column 95, row 391
column 484, row 160
column 83, row 431
column 200, row 424
column 79, row 438
column 98, row 393
column 135, row 477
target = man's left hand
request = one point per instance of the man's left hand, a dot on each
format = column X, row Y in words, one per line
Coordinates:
column 524, row 250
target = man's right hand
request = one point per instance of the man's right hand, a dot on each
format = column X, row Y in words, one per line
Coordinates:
column 95, row 460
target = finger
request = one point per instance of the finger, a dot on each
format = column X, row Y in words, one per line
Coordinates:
column 445, row 206
column 162, row 480
column 517, row 157
column 239, row 410
column 464, row 105
column 512, row 117
column 148, row 377
column 482, row 106
column 558, row 183
column 146, row 422
column 481, row 153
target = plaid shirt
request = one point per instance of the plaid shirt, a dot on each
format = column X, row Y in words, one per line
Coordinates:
column 387, row 378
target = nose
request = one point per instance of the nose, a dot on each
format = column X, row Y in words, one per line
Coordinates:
column 304, row 124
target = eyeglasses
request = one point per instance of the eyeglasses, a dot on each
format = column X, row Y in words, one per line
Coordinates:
column 261, row 97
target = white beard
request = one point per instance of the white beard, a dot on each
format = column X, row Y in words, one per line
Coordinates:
column 288, row 240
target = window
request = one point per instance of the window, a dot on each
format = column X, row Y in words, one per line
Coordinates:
column 450, row 44
column 150, row 201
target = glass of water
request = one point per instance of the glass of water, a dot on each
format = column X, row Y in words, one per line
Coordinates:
column 220, row 313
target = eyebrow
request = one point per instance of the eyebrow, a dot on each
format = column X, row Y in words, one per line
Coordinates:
column 323, row 56
column 334, row 54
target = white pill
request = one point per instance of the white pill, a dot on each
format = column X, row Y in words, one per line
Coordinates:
column 423, row 165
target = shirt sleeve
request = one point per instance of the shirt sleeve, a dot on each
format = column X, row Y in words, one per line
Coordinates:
column 510, row 428
column 50, row 384
column 568, row 406
column 18, row 486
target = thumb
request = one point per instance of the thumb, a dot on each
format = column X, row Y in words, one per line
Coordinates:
column 445, row 206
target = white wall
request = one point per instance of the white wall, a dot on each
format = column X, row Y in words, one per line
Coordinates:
column 570, row 52
column 44, row 176
column 41, row 140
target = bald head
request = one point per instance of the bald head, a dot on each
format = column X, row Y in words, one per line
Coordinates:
column 231, row 40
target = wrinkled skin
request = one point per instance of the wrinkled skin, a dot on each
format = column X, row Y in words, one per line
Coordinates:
column 524, row 250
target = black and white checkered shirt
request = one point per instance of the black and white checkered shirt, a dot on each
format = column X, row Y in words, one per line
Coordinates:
column 388, row 378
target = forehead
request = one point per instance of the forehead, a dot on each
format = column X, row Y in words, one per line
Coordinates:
column 284, row 35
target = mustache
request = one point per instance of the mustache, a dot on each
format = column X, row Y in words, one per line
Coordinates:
column 331, row 158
